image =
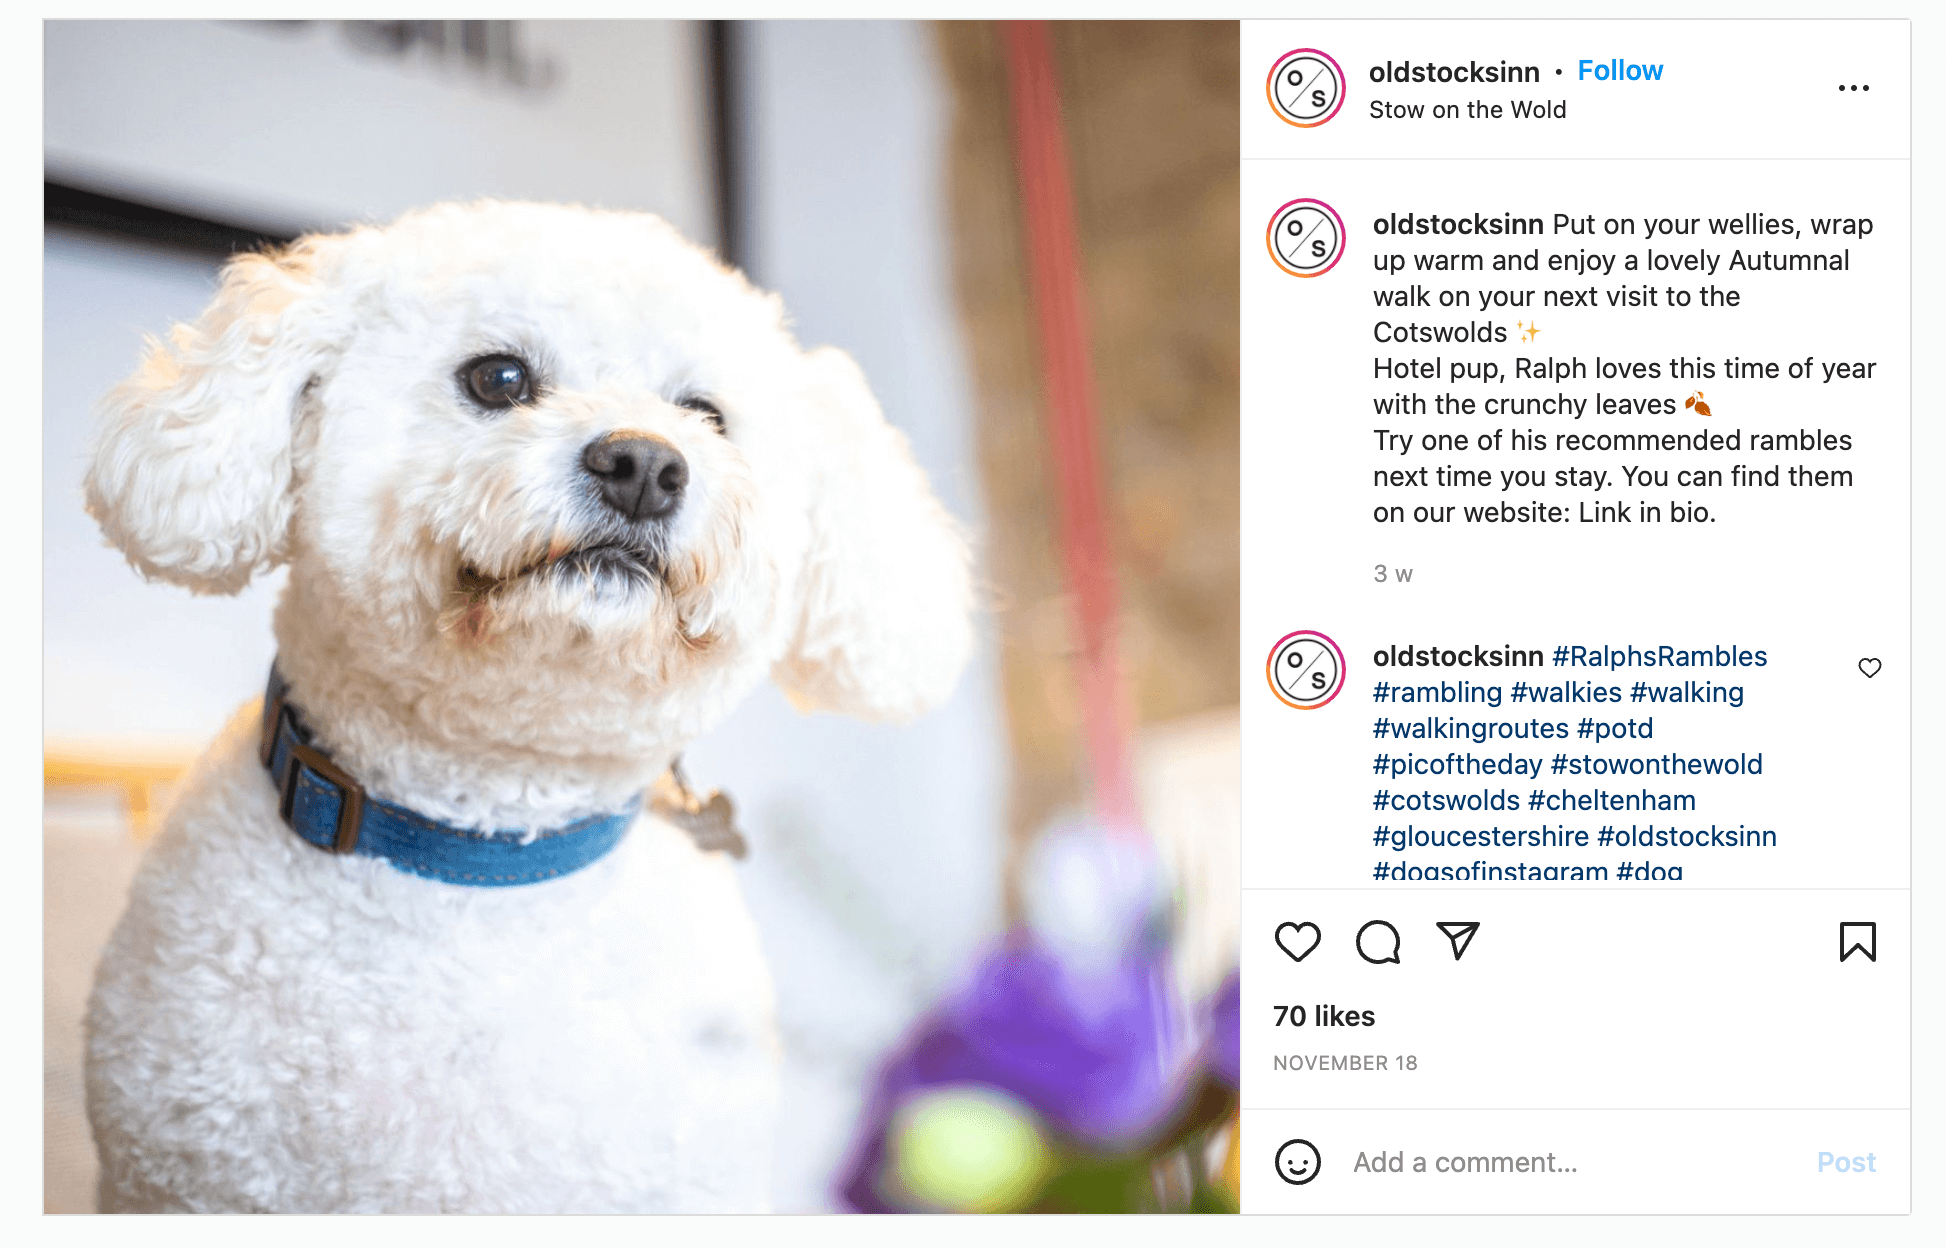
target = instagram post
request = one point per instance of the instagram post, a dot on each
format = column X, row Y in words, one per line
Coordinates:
column 1307, row 625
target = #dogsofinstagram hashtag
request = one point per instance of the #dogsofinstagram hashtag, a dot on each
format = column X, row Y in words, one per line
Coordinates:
column 555, row 491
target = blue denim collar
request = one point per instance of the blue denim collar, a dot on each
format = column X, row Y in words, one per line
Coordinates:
column 329, row 809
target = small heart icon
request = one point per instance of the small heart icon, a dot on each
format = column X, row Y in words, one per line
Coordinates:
column 1869, row 667
column 1296, row 950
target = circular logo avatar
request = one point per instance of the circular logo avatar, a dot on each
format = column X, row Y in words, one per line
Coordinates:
column 1298, row 1162
column 1306, row 237
column 1306, row 669
column 1306, row 88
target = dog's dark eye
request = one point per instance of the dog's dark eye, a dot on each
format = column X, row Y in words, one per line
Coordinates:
column 711, row 412
column 497, row 381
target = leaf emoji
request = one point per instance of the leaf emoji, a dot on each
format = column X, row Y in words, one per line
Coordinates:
column 1702, row 408
column 1690, row 401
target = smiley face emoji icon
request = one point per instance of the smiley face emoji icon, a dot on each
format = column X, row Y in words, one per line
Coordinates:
column 1298, row 1162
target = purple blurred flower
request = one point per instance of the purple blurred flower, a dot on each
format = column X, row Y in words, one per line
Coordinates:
column 1224, row 1052
column 1097, row 1049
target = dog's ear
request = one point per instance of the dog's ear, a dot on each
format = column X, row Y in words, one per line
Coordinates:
column 191, row 469
column 886, row 609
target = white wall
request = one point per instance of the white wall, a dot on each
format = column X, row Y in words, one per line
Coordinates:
column 123, row 658
column 293, row 126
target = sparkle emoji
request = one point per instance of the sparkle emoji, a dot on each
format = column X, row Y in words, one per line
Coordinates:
column 1529, row 331
column 1696, row 401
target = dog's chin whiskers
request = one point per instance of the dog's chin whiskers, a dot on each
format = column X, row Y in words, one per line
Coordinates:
column 470, row 618
column 474, row 582
column 696, row 642
column 569, row 578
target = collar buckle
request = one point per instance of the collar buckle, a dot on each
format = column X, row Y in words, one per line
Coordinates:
column 351, row 803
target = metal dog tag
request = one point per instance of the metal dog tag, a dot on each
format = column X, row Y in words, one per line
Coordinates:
column 710, row 822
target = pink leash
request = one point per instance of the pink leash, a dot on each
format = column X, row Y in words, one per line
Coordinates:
column 1067, row 377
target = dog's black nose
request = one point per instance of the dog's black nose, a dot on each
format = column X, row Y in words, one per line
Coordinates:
column 640, row 476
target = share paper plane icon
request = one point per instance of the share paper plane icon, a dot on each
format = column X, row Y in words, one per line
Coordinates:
column 1461, row 934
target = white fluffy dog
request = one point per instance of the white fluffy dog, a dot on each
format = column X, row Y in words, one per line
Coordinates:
column 555, row 491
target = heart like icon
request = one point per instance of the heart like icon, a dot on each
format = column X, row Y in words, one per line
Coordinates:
column 1296, row 949
column 1869, row 667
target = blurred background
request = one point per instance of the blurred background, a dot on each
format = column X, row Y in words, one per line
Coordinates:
column 866, row 172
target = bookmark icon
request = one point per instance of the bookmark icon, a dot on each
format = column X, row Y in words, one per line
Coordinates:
column 1858, row 938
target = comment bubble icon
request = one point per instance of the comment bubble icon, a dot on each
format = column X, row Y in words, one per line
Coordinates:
column 1378, row 942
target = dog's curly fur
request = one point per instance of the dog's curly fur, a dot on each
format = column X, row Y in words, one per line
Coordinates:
column 274, row 1027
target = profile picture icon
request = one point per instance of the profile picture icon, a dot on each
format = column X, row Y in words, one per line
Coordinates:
column 1306, row 88
column 1306, row 669
column 1306, row 237
column 1298, row 1162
